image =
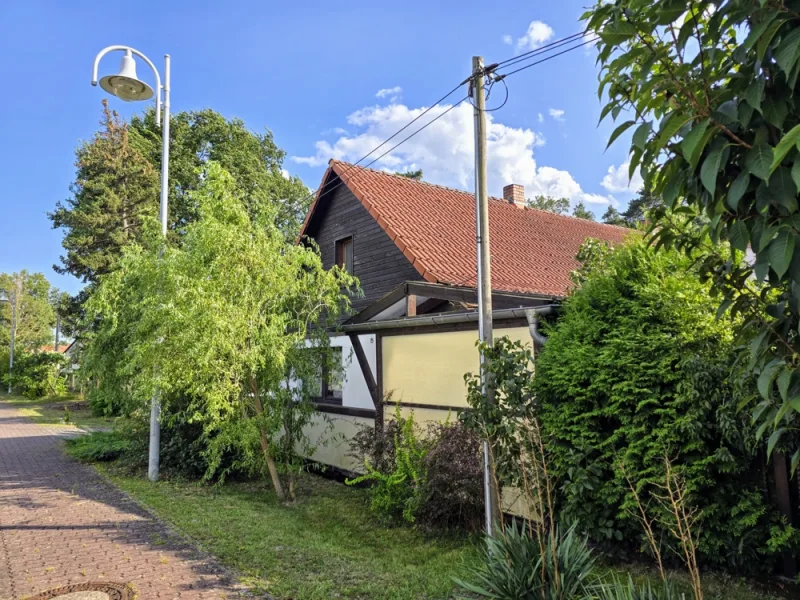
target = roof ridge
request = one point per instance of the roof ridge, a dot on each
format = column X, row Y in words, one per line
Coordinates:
column 450, row 189
column 401, row 177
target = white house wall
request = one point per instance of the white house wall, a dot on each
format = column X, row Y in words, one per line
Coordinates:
column 355, row 392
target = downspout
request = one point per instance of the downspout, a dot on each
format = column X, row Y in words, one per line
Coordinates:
column 532, row 315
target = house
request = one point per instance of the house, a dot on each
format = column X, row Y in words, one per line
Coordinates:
column 412, row 246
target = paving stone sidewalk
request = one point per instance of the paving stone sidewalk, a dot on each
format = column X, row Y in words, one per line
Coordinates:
column 61, row 523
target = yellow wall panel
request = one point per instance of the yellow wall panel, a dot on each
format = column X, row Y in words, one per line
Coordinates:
column 429, row 368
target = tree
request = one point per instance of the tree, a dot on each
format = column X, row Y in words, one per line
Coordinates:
column 640, row 207
column 549, row 203
column 581, row 212
column 629, row 376
column 415, row 175
column 231, row 322
column 612, row 217
column 34, row 312
column 711, row 89
column 117, row 183
column 115, row 187
column 253, row 160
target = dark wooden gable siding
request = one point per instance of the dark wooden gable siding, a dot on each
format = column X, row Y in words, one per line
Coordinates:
column 377, row 262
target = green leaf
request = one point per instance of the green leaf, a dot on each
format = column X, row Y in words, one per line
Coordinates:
column 758, row 160
column 619, row 131
column 795, row 460
column 692, row 139
column 738, row 235
column 728, row 109
column 783, row 190
column 737, row 189
column 784, row 379
column 669, row 127
column 773, row 439
column 618, row 32
column 709, row 170
column 672, row 189
column 754, row 92
column 766, row 38
column 788, row 51
column 783, row 147
column 766, row 378
column 641, row 134
column 796, row 173
column 774, row 111
column 759, row 28
column 781, row 250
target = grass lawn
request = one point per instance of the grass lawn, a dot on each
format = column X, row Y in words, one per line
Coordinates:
column 50, row 411
column 329, row 546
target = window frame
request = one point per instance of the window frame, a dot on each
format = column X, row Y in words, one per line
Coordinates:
column 326, row 398
column 339, row 248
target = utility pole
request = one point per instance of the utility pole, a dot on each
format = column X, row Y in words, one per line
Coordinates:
column 58, row 327
column 490, row 491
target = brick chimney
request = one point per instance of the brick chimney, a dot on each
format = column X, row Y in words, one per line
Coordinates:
column 514, row 194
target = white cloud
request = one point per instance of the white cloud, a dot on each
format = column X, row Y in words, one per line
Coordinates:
column 392, row 93
column 335, row 131
column 617, row 180
column 507, row 39
column 538, row 33
column 445, row 151
column 541, row 118
column 556, row 113
column 285, row 174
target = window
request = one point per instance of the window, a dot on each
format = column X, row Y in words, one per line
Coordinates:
column 344, row 254
column 327, row 387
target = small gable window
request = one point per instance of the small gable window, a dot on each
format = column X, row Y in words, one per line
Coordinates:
column 344, row 254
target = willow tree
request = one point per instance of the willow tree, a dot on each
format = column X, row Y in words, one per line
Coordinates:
column 709, row 90
column 223, row 322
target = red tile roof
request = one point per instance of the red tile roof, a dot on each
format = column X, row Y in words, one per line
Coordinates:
column 51, row 348
column 532, row 251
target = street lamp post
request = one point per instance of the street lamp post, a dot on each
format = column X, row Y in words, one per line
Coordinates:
column 12, row 300
column 127, row 86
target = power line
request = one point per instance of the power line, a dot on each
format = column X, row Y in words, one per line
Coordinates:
column 404, row 140
column 550, row 57
column 322, row 187
column 540, row 49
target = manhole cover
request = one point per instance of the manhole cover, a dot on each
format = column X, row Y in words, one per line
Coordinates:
column 89, row 591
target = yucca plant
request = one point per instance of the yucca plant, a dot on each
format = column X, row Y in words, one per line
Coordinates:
column 516, row 565
column 619, row 589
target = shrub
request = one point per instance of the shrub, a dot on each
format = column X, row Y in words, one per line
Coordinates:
column 452, row 495
column 433, row 478
column 38, row 374
column 619, row 589
column 637, row 368
column 519, row 565
column 397, row 490
column 97, row 446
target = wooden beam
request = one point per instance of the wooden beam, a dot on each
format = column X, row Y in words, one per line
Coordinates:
column 381, row 305
column 411, row 305
column 470, row 295
column 379, row 418
column 366, row 371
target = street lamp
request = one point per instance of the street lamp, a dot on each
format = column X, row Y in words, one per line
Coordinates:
column 6, row 297
column 127, row 86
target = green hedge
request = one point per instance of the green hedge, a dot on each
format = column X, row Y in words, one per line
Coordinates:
column 639, row 368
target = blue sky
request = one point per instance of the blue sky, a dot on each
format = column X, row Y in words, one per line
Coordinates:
column 310, row 72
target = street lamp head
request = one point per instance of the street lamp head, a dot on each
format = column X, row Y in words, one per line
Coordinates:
column 4, row 296
column 126, row 85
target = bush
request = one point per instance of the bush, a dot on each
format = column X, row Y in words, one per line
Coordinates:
column 434, row 480
column 97, row 446
column 38, row 374
column 519, row 565
column 452, row 495
column 396, row 490
column 620, row 589
column 637, row 368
